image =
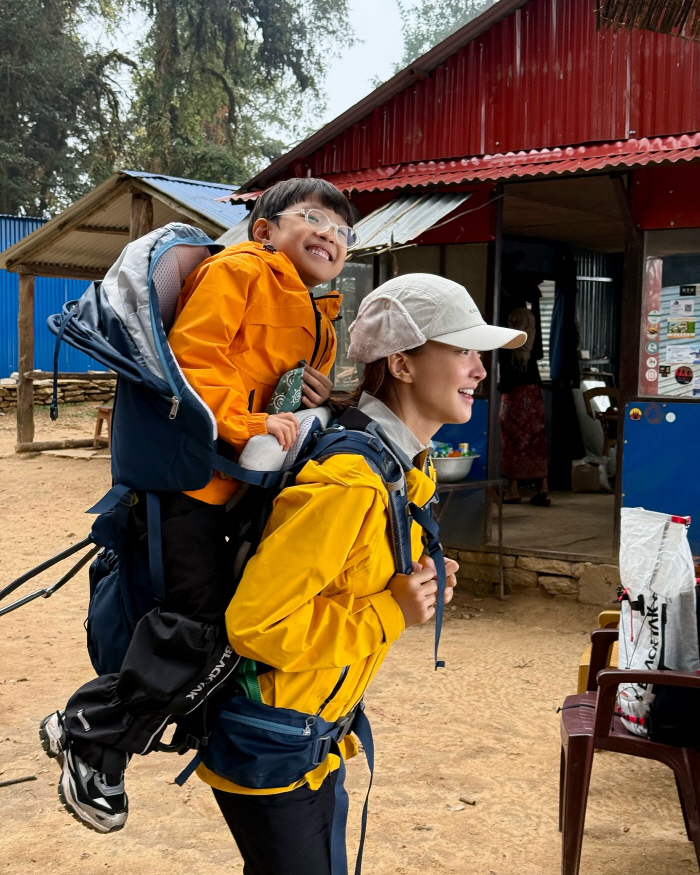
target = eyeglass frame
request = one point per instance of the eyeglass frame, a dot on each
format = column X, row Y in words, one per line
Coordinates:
column 334, row 225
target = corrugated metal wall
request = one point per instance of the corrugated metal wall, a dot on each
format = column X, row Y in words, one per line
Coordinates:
column 49, row 297
column 543, row 76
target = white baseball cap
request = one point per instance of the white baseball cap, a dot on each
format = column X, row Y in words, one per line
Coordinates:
column 408, row 310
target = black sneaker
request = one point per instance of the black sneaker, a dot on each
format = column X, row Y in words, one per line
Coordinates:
column 52, row 735
column 96, row 800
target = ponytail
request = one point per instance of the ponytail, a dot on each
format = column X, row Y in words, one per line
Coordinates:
column 375, row 381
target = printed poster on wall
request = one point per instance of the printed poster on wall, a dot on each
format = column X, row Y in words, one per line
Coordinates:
column 670, row 347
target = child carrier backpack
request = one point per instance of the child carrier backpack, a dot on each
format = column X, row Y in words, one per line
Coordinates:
column 164, row 439
column 659, row 623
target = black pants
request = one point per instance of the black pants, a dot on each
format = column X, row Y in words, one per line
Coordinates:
column 116, row 715
column 282, row 834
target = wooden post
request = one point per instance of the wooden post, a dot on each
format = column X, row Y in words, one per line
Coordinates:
column 493, row 306
column 25, row 385
column 631, row 320
column 141, row 215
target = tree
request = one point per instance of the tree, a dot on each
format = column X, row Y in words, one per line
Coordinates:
column 59, row 110
column 218, row 88
column 426, row 23
column 222, row 83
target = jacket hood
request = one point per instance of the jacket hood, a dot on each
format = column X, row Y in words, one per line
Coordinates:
column 280, row 264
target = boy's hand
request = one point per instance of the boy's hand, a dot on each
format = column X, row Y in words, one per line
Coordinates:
column 284, row 426
column 316, row 388
column 416, row 593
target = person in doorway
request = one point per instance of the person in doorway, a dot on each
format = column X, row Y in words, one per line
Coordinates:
column 522, row 414
column 320, row 602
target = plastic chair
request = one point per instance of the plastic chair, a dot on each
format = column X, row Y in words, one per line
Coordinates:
column 608, row 619
column 588, row 723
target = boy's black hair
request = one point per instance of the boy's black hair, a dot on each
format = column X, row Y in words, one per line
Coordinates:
column 282, row 195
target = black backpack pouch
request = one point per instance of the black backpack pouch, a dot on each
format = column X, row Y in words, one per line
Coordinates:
column 674, row 716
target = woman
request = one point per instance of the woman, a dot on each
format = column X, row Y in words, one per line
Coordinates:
column 522, row 414
column 320, row 602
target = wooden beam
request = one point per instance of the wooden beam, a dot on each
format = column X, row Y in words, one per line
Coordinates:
column 25, row 386
column 630, row 335
column 69, row 444
column 632, row 232
column 122, row 230
column 96, row 202
column 70, row 375
column 492, row 308
column 141, row 214
column 64, row 271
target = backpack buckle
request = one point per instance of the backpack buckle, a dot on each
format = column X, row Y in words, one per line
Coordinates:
column 322, row 748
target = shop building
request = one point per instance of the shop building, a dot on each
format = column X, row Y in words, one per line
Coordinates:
column 542, row 143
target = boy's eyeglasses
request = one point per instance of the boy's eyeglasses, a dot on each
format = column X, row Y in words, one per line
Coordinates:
column 319, row 221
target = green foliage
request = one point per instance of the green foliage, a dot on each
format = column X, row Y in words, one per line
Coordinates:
column 215, row 89
column 58, row 109
column 426, row 23
column 218, row 76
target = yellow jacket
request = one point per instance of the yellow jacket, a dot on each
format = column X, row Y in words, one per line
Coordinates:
column 313, row 599
column 244, row 318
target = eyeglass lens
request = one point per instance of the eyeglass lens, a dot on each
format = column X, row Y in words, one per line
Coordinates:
column 318, row 220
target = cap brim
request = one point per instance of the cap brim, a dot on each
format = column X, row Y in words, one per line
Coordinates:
column 484, row 337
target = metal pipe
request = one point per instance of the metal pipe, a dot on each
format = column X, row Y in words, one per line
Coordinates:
column 11, row 587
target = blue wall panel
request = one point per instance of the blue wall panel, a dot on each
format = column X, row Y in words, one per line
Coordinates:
column 659, row 467
column 49, row 297
column 475, row 433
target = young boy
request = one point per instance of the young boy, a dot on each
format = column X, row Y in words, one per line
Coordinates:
column 245, row 317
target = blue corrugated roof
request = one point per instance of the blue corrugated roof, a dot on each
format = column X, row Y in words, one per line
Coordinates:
column 14, row 228
column 197, row 195
column 50, row 294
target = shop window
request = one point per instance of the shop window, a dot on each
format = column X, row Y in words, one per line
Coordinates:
column 354, row 283
column 670, row 329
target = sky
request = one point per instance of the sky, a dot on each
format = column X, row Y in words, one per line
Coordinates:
column 349, row 73
column 378, row 26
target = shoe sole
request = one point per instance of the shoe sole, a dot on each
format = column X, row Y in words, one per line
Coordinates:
column 67, row 794
column 51, row 743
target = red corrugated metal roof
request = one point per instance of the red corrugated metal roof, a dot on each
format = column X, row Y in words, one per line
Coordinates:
column 515, row 165
column 519, row 77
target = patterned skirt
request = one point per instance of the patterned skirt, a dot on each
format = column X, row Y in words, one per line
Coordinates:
column 523, row 435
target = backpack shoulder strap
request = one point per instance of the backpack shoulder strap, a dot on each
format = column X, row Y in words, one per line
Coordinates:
column 357, row 434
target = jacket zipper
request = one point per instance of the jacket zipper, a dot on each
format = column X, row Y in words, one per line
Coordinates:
column 317, row 318
column 282, row 728
column 336, row 689
column 325, row 348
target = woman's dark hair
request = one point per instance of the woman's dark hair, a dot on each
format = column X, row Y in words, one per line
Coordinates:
column 282, row 195
column 375, row 378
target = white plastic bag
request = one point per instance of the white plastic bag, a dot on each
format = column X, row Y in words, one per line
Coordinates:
column 658, row 625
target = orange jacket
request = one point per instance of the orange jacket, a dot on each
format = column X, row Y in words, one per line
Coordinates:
column 243, row 319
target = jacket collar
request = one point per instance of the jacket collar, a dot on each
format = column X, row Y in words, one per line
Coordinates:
column 328, row 304
column 396, row 430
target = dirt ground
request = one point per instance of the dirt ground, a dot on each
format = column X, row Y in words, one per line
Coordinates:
column 485, row 726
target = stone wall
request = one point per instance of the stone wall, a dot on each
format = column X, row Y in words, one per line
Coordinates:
column 69, row 392
column 587, row 582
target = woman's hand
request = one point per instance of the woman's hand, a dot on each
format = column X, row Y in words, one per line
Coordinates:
column 316, row 388
column 284, row 426
column 416, row 593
